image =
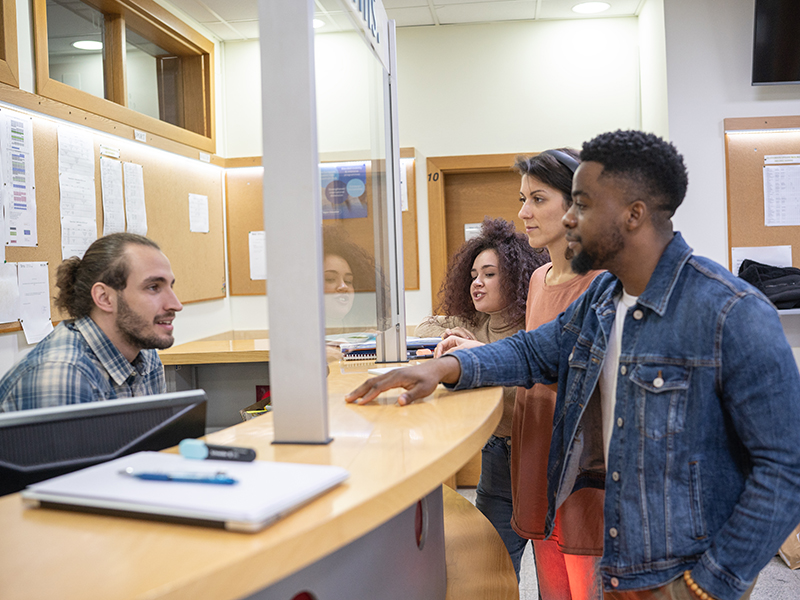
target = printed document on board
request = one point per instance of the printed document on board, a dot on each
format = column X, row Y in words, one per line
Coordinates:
column 16, row 147
column 34, row 292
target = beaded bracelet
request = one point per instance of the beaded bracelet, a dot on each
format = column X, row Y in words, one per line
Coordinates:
column 696, row 589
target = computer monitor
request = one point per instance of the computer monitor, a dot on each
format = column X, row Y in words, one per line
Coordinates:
column 41, row 443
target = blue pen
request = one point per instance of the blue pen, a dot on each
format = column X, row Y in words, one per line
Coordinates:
column 220, row 478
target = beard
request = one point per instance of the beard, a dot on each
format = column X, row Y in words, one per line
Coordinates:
column 598, row 257
column 133, row 326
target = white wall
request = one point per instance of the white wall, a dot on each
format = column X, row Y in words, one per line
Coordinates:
column 653, row 69
column 709, row 47
column 518, row 86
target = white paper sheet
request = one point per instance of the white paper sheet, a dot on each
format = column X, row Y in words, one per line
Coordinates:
column 257, row 242
column 76, row 188
column 781, row 195
column 34, row 291
column 198, row 213
column 16, row 146
column 76, row 236
column 9, row 293
column 134, row 198
column 113, row 196
column 75, row 152
column 404, row 164
column 778, row 256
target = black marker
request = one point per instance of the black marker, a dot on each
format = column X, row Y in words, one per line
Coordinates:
column 198, row 449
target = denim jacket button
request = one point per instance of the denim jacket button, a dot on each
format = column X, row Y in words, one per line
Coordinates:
column 620, row 421
column 615, row 476
column 614, row 582
column 658, row 382
column 623, row 369
column 613, row 532
column 638, row 314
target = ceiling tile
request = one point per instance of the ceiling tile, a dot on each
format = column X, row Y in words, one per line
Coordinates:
column 247, row 30
column 562, row 9
column 390, row 5
column 411, row 17
column 194, row 9
column 483, row 12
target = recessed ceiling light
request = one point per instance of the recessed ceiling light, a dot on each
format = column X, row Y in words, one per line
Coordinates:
column 589, row 8
column 318, row 23
column 88, row 45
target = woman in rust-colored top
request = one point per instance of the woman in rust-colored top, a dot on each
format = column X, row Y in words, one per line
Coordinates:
column 566, row 563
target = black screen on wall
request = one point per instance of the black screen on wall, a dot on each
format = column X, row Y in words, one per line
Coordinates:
column 776, row 45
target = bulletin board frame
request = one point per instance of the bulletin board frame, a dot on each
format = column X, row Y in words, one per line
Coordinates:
column 197, row 259
column 747, row 141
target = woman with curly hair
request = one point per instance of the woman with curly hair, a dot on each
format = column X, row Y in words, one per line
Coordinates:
column 483, row 298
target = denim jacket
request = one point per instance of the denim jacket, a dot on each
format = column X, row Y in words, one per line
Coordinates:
column 704, row 460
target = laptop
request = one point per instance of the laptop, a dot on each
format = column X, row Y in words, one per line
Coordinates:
column 262, row 491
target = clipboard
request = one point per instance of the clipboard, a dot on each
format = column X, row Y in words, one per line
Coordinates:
column 263, row 493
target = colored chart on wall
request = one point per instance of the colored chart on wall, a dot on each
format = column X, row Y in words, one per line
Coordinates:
column 344, row 187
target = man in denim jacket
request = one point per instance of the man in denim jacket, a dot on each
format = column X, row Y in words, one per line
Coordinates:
column 677, row 390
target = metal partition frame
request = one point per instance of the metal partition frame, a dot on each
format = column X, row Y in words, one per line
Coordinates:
column 293, row 212
column 293, row 222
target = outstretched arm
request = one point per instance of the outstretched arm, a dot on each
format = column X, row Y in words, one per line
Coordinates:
column 418, row 381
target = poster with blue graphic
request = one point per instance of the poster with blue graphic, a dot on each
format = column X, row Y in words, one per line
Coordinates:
column 344, row 187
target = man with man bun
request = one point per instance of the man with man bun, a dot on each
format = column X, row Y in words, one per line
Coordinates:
column 122, row 305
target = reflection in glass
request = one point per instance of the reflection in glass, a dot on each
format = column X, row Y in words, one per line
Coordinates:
column 142, row 60
column 70, row 21
column 352, row 146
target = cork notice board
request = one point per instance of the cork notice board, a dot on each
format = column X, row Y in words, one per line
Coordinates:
column 747, row 141
column 245, row 213
column 198, row 259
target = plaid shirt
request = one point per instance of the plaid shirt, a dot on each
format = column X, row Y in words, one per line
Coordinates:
column 78, row 363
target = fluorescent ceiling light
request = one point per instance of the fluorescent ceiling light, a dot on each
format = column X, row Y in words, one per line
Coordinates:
column 88, row 45
column 589, row 8
column 318, row 23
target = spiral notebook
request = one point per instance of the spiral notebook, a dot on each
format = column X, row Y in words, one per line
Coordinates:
column 263, row 492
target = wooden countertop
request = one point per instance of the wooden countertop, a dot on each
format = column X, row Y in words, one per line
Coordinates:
column 395, row 456
column 208, row 352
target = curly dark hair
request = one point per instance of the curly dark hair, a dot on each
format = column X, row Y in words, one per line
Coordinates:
column 517, row 262
column 652, row 164
column 104, row 261
column 547, row 168
column 335, row 242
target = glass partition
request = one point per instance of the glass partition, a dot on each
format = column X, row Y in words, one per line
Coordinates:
column 352, row 150
column 329, row 156
column 355, row 179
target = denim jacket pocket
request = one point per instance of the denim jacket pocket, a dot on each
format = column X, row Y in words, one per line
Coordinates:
column 661, row 393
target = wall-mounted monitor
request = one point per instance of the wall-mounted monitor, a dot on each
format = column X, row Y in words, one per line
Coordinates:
column 42, row 443
column 776, row 42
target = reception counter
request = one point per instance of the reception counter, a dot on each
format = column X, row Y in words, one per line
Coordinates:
column 396, row 456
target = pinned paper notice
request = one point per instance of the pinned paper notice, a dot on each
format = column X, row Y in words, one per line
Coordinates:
column 134, row 198
column 198, row 213
column 9, row 293
column 257, row 241
column 34, row 291
column 113, row 200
